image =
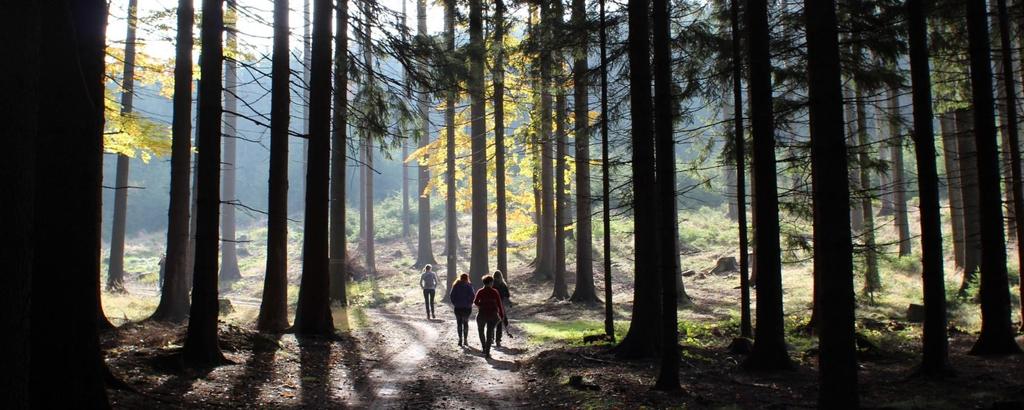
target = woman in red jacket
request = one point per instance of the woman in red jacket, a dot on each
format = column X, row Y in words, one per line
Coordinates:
column 489, row 312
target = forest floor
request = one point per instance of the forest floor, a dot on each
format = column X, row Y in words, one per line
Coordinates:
column 389, row 355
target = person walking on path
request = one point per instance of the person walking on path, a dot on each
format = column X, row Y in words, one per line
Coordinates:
column 489, row 312
column 462, row 300
column 428, row 281
column 502, row 287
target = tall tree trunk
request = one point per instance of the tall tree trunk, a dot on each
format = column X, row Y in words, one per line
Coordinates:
column 769, row 351
column 478, row 266
column 273, row 316
column 954, row 192
column 115, row 273
column 173, row 305
column 19, row 124
column 872, row 280
column 201, row 346
column 339, row 160
column 306, row 65
column 970, row 191
column 609, row 323
column 369, row 237
column 899, row 184
column 1014, row 139
column 561, row 289
column 451, row 224
column 313, row 311
column 194, row 207
column 739, row 146
column 425, row 249
column 730, row 186
column 67, row 205
column 546, row 259
column 642, row 340
column 228, row 246
column 935, row 352
column 856, row 214
column 1004, row 116
column 833, row 243
column 996, row 333
column 665, row 190
column 585, row 291
column 498, row 76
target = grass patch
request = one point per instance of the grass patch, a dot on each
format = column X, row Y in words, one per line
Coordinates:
column 567, row 332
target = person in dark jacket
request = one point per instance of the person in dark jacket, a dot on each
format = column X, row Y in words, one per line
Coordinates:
column 489, row 313
column 462, row 300
column 502, row 287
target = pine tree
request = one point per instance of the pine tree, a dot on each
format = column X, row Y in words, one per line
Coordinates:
column 478, row 266
column 833, row 246
column 115, row 268
column 228, row 247
column 996, row 333
column 585, row 291
column 498, row 79
column 425, row 251
column 174, row 304
column 935, row 352
column 66, row 204
column 769, row 351
column 273, row 316
column 609, row 323
column 201, row 345
column 642, row 340
column 339, row 160
column 313, row 310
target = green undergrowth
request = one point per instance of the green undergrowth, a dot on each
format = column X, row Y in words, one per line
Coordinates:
column 539, row 332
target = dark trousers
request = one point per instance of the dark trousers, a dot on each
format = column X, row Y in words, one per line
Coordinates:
column 498, row 330
column 428, row 299
column 462, row 322
column 486, row 329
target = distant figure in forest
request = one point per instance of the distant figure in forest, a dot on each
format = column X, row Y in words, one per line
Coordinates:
column 462, row 300
column 489, row 313
column 502, row 287
column 428, row 282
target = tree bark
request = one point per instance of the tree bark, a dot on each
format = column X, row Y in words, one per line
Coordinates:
column 739, row 146
column 954, row 192
column 546, row 250
column 996, row 337
column 174, row 305
column 273, row 316
column 833, row 245
column 665, row 189
column 935, row 352
column 228, row 245
column 643, row 338
column 769, row 351
column 369, row 236
column 872, row 280
column 899, row 184
column 425, row 249
column 313, row 311
column 339, row 161
column 560, row 288
column 1013, row 137
column 19, row 124
column 478, row 266
column 585, row 291
column 67, row 205
column 451, row 224
column 1004, row 116
column 970, row 191
column 609, row 322
column 498, row 76
column 201, row 345
column 115, row 273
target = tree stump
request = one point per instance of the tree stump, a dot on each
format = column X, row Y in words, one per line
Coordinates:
column 725, row 264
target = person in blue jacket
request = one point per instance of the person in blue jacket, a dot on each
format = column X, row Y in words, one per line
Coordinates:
column 461, row 296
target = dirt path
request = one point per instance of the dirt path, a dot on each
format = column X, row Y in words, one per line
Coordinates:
column 420, row 365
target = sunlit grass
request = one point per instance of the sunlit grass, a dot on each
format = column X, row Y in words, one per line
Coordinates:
column 567, row 332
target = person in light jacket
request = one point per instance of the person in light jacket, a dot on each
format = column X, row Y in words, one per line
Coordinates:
column 428, row 282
